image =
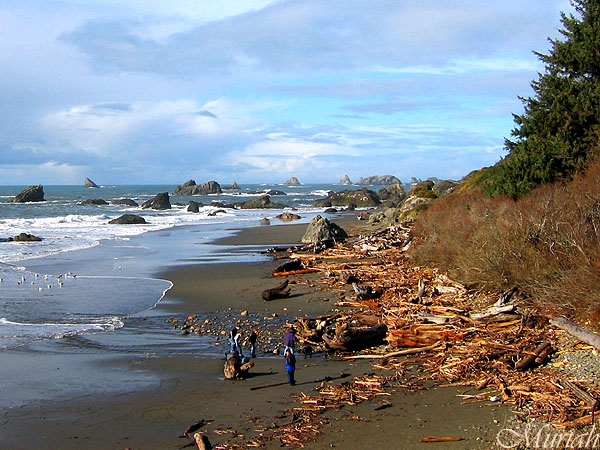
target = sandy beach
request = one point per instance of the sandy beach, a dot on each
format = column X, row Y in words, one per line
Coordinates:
column 188, row 387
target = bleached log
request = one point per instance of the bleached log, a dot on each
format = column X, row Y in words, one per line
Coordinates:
column 575, row 330
column 202, row 442
column 492, row 311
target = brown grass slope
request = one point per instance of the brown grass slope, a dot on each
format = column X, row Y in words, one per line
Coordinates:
column 546, row 244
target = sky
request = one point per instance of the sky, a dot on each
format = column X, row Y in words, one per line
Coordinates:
column 258, row 91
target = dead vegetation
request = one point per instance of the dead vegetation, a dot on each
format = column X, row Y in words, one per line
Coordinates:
column 496, row 346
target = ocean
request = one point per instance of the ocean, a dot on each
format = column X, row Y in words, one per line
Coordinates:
column 72, row 282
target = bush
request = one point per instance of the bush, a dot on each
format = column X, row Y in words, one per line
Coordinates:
column 547, row 244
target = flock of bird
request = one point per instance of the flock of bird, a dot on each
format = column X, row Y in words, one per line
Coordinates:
column 47, row 277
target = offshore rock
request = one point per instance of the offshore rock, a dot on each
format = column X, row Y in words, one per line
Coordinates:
column 293, row 182
column 191, row 188
column 94, row 201
column 321, row 229
column 346, row 181
column 30, row 194
column 232, row 187
column 360, row 197
column 24, row 237
column 124, row 201
column 128, row 219
column 160, row 201
column 263, row 202
column 193, row 206
column 376, row 180
column 89, row 183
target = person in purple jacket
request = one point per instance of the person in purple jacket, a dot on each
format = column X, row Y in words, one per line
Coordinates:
column 290, row 339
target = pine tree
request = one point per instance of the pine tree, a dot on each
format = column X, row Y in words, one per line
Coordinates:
column 560, row 126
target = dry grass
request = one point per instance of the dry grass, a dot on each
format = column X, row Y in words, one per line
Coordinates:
column 547, row 244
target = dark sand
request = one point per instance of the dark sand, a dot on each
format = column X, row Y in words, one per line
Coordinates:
column 192, row 388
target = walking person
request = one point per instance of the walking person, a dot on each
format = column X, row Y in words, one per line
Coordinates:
column 252, row 341
column 290, row 339
column 290, row 366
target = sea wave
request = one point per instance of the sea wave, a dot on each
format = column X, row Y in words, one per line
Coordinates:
column 16, row 334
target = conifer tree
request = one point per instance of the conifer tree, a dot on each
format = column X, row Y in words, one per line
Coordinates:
column 560, row 126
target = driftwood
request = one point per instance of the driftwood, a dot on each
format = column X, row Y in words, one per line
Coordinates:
column 580, row 333
column 280, row 291
column 356, row 338
column 441, row 439
column 501, row 307
column 234, row 369
column 411, row 351
column 539, row 356
column 294, row 272
column 366, row 292
column 195, row 427
column 583, row 396
column 420, row 292
column 348, row 278
column 202, row 442
column 294, row 264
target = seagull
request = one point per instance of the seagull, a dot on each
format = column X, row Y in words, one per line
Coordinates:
column 40, row 289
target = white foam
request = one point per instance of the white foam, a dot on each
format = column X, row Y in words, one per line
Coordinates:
column 14, row 334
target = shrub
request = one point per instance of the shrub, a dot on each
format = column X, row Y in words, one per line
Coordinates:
column 547, row 244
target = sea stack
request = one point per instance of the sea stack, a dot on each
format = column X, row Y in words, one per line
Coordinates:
column 89, row 183
column 293, row 182
column 346, row 181
column 191, row 188
column 30, row 194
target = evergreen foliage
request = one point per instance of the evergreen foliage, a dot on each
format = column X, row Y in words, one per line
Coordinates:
column 559, row 129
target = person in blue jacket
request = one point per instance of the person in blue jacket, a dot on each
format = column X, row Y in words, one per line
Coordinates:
column 290, row 366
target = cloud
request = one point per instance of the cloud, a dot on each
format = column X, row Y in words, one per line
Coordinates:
column 308, row 35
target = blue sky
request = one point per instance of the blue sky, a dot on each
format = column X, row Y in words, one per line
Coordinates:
column 152, row 92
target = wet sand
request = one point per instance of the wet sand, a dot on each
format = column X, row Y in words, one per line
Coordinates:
column 190, row 387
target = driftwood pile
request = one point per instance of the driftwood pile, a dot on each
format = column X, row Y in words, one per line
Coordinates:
column 493, row 345
column 500, row 350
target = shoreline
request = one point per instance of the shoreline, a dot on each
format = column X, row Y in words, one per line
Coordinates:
column 189, row 386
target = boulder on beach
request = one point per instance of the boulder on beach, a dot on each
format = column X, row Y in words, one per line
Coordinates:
column 30, row 194
column 128, row 219
column 361, row 197
column 193, row 206
column 160, row 201
column 124, row 202
column 346, row 180
column 191, row 188
column 94, row 201
column 293, row 182
column 321, row 229
column 263, row 202
column 24, row 237
column 377, row 180
column 288, row 216
column 89, row 183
